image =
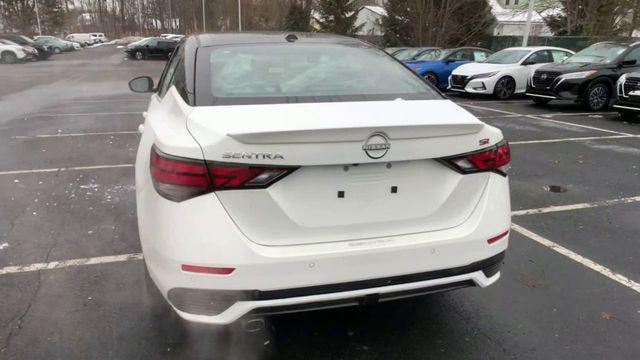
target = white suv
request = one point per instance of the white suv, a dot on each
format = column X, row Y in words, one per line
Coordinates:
column 277, row 172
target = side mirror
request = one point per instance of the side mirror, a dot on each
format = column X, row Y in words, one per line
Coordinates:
column 628, row 63
column 528, row 62
column 142, row 84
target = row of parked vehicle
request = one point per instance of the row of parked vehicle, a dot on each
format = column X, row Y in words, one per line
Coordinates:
column 602, row 75
column 16, row 47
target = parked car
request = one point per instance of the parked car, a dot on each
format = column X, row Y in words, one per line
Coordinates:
column 276, row 122
column 44, row 51
column 57, row 45
column 411, row 54
column 587, row 77
column 32, row 53
column 84, row 39
column 98, row 38
column 151, row 48
column 628, row 96
column 437, row 71
column 11, row 53
column 506, row 72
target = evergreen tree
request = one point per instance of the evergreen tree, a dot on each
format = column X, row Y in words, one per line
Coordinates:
column 298, row 17
column 397, row 29
column 338, row 16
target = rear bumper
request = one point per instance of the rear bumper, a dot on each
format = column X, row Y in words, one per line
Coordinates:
column 200, row 232
column 194, row 304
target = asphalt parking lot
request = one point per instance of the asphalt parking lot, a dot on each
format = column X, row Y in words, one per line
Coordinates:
column 71, row 274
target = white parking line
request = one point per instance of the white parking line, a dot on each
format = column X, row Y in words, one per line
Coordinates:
column 572, row 139
column 32, row 171
column 73, row 134
column 605, row 271
column 619, row 278
column 83, row 114
column 545, row 115
column 69, row 263
column 516, row 115
column 594, row 204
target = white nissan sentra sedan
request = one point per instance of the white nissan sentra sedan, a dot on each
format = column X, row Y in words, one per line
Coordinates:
column 288, row 172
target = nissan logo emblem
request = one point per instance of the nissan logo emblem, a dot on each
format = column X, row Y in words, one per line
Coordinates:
column 376, row 146
column 543, row 77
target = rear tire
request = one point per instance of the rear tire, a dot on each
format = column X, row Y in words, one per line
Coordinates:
column 432, row 78
column 8, row 57
column 57, row 50
column 540, row 101
column 597, row 97
column 505, row 87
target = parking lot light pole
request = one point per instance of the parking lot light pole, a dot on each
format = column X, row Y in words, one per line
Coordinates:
column 38, row 17
column 204, row 27
column 527, row 30
column 239, row 16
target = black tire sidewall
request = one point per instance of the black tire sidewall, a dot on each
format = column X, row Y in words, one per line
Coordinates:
column 505, row 79
column 592, row 86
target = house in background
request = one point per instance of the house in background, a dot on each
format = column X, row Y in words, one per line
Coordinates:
column 511, row 19
column 370, row 17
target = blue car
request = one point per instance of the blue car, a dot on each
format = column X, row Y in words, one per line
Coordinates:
column 437, row 70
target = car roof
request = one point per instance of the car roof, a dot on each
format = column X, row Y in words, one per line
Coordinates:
column 536, row 48
column 215, row 39
column 469, row 48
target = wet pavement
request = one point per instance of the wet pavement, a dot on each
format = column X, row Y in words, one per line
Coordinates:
column 68, row 137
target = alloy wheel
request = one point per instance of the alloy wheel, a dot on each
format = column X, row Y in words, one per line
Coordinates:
column 432, row 78
column 598, row 97
column 139, row 55
column 505, row 88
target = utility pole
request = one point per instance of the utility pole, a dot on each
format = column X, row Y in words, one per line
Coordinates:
column 239, row 16
column 38, row 17
column 170, row 18
column 527, row 30
column 139, row 16
column 204, row 27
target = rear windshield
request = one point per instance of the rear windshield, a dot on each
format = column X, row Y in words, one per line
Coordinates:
column 281, row 73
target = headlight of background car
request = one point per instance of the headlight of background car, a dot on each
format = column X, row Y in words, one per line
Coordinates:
column 485, row 75
column 578, row 75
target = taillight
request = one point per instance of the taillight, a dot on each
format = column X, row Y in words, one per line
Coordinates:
column 179, row 179
column 495, row 158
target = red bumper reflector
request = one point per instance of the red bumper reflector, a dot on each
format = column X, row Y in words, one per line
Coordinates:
column 498, row 237
column 207, row 269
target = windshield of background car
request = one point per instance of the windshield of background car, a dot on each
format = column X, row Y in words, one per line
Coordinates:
column 406, row 55
column 26, row 39
column 282, row 73
column 507, row 57
column 597, row 53
column 428, row 55
column 444, row 53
